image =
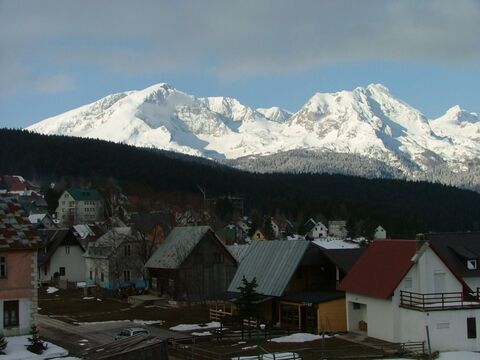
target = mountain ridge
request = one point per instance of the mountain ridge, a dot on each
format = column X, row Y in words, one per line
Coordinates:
column 367, row 121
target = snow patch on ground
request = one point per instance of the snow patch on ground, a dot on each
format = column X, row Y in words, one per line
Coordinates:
column 16, row 350
column 204, row 333
column 136, row 321
column 52, row 290
column 190, row 327
column 276, row 356
column 148, row 322
column 298, row 338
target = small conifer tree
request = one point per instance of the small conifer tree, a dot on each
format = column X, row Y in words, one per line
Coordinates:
column 36, row 346
column 3, row 344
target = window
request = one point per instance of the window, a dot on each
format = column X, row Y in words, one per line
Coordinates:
column 126, row 250
column 67, row 249
column 126, row 275
column 91, row 275
column 443, row 325
column 472, row 264
column 61, row 271
column 356, row 306
column 3, row 267
column 10, row 313
column 102, row 278
column 471, row 328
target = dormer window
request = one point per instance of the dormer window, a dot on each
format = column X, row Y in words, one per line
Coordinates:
column 472, row 264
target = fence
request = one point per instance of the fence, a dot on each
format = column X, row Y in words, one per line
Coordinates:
column 439, row 301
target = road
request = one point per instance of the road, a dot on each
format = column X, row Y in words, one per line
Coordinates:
column 76, row 338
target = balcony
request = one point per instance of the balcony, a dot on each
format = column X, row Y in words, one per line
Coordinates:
column 439, row 301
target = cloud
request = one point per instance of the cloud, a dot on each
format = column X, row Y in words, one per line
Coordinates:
column 234, row 39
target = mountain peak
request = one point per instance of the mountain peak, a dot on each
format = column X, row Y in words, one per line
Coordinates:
column 379, row 88
column 457, row 114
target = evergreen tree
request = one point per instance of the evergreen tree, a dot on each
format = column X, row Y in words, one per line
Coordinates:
column 248, row 308
column 36, row 346
column 3, row 343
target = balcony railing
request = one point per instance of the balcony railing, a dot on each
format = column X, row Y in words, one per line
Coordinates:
column 439, row 301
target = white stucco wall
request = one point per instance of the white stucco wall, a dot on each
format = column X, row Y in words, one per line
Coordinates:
column 73, row 262
column 24, row 318
column 472, row 282
column 379, row 313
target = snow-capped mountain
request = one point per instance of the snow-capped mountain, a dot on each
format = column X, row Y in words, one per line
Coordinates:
column 368, row 121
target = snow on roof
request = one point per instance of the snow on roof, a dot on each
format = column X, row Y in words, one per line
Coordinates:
column 36, row 218
column 335, row 243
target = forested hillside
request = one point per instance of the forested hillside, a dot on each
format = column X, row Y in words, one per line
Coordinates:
column 403, row 208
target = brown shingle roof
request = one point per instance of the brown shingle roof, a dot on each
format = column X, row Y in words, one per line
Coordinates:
column 16, row 232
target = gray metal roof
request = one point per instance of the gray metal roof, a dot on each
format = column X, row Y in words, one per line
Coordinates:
column 238, row 251
column 176, row 247
column 272, row 263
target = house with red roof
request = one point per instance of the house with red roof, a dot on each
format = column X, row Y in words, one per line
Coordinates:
column 18, row 270
column 403, row 291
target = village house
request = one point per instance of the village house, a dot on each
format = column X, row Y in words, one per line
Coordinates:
column 338, row 228
column 309, row 225
column 317, row 231
column 80, row 206
column 258, row 235
column 18, row 270
column 402, row 291
column 17, row 185
column 380, row 233
column 60, row 260
column 115, row 260
column 192, row 264
column 297, row 282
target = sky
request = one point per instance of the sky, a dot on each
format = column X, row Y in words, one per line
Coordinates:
column 58, row 55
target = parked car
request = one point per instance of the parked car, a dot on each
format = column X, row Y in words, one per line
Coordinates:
column 127, row 332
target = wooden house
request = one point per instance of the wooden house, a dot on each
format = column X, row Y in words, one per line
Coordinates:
column 192, row 264
column 297, row 282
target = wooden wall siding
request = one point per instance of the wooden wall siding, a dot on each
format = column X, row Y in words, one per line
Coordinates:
column 201, row 276
column 332, row 316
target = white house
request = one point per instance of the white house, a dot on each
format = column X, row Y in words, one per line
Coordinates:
column 318, row 230
column 402, row 290
column 61, row 257
column 380, row 233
